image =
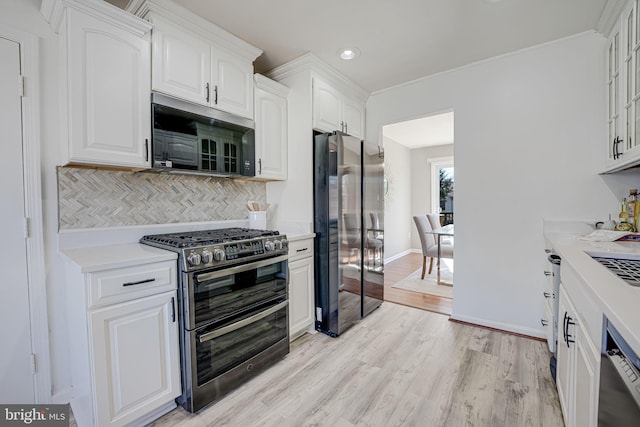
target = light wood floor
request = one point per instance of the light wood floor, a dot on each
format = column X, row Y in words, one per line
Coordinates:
column 401, row 268
column 398, row 367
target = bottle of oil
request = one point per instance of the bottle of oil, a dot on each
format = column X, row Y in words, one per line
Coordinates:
column 623, row 215
column 633, row 208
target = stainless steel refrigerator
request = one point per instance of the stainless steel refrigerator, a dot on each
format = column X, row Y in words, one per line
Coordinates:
column 348, row 221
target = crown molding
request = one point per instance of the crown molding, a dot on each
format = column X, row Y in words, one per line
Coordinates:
column 54, row 10
column 167, row 9
column 311, row 63
column 610, row 14
column 265, row 83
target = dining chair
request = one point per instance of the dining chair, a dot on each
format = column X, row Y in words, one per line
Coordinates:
column 429, row 244
column 434, row 220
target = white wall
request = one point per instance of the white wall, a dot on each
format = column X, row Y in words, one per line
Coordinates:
column 421, row 183
column 529, row 129
column 397, row 203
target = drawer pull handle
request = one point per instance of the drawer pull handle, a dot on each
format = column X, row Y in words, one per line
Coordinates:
column 544, row 322
column 548, row 273
column 547, row 295
column 301, row 250
column 139, row 282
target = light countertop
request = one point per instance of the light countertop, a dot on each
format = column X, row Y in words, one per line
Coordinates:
column 604, row 291
column 108, row 257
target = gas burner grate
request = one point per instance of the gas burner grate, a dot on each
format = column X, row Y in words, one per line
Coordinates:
column 627, row 269
column 191, row 239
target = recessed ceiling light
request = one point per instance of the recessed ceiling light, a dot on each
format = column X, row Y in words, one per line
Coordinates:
column 349, row 53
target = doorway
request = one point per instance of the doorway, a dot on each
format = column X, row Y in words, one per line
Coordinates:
column 24, row 361
column 412, row 148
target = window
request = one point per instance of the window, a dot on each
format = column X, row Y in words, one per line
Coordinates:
column 442, row 184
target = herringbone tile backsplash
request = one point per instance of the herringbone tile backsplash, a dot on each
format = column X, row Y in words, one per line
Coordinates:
column 89, row 198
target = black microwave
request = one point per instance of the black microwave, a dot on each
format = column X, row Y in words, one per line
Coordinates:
column 190, row 138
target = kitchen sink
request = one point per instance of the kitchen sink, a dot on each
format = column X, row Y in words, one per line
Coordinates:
column 627, row 269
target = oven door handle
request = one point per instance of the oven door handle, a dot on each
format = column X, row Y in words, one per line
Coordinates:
column 239, row 269
column 242, row 323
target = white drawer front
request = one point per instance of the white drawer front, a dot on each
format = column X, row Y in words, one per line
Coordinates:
column 300, row 249
column 123, row 284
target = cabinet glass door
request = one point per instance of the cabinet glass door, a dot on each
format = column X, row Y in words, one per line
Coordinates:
column 612, row 77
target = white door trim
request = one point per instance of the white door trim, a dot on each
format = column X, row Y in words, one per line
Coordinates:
column 437, row 163
column 33, row 209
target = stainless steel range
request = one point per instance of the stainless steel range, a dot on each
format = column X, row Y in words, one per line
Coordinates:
column 233, row 299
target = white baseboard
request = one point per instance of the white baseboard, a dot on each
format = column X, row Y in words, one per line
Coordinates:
column 507, row 327
column 401, row 254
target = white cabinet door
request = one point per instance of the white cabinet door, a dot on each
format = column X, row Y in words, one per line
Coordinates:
column 577, row 370
column 136, row 363
column 353, row 117
column 327, row 104
column 301, row 296
column 271, row 134
column 192, row 68
column 587, row 380
column 107, row 93
column 334, row 111
column 181, row 63
column 232, row 84
column 623, row 82
column 565, row 359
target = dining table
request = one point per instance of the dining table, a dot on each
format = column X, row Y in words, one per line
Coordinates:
column 445, row 230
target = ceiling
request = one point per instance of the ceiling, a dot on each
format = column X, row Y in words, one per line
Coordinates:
column 400, row 40
column 423, row 132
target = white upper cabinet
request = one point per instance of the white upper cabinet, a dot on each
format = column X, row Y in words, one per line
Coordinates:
column 623, row 83
column 180, row 63
column 327, row 102
column 232, row 81
column 333, row 110
column 353, row 115
column 197, row 61
column 105, row 57
column 271, row 129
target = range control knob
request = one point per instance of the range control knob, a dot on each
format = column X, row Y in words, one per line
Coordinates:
column 285, row 243
column 194, row 259
column 218, row 254
column 277, row 244
column 207, row 257
column 268, row 246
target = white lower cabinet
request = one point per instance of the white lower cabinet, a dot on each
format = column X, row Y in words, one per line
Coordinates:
column 578, row 367
column 135, row 351
column 123, row 335
column 301, row 289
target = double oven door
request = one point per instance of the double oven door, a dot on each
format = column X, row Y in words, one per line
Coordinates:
column 235, row 323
